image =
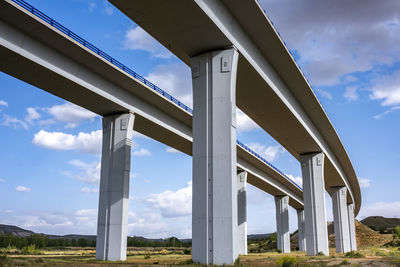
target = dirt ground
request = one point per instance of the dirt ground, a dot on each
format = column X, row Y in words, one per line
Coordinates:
column 372, row 256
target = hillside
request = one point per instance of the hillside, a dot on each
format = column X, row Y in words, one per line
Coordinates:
column 365, row 236
column 15, row 230
column 381, row 224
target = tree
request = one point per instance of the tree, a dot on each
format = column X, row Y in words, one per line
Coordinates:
column 397, row 231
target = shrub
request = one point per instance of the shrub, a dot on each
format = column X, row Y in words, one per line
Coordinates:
column 187, row 251
column 320, row 254
column 344, row 262
column 237, row 263
column 380, row 253
column 287, row 261
column 147, row 256
column 4, row 260
column 354, row 254
column 30, row 250
column 397, row 231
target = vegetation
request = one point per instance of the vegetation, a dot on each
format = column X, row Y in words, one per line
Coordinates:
column 37, row 241
column 262, row 244
column 287, row 261
column 354, row 254
column 175, row 257
column 41, row 241
column 381, row 224
column 169, row 242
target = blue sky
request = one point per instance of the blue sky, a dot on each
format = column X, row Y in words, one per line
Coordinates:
column 49, row 167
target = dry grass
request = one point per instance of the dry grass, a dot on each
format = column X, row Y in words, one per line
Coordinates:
column 372, row 256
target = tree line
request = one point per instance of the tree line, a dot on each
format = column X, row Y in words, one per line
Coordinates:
column 42, row 241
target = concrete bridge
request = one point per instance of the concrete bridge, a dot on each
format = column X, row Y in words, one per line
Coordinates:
column 237, row 58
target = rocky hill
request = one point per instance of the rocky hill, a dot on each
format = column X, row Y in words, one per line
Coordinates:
column 381, row 224
column 365, row 236
column 15, row 230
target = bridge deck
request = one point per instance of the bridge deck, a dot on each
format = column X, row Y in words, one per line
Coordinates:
column 271, row 89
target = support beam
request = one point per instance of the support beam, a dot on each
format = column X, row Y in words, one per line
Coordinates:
column 301, row 230
column 242, row 213
column 312, row 167
column 112, row 220
column 340, row 219
column 352, row 227
column 282, row 223
column 214, row 216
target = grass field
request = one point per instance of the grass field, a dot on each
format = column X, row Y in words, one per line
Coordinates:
column 373, row 256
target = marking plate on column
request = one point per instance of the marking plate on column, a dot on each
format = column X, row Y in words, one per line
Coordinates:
column 225, row 64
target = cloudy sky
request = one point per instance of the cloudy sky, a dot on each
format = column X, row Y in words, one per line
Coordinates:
column 50, row 149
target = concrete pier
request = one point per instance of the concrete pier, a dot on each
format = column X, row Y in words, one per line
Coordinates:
column 340, row 219
column 312, row 167
column 112, row 220
column 301, row 230
column 352, row 227
column 242, row 213
column 214, row 215
column 282, row 223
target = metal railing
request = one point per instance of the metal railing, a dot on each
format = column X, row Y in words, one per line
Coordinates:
column 129, row 71
column 98, row 51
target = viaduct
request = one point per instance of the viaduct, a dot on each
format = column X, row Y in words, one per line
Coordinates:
column 237, row 59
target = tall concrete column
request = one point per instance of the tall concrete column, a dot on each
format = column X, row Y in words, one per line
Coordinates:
column 301, row 230
column 352, row 227
column 312, row 167
column 112, row 220
column 242, row 212
column 340, row 219
column 214, row 215
column 282, row 223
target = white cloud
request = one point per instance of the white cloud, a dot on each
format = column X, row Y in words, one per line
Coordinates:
column 8, row 211
column 351, row 93
column 82, row 221
column 108, row 8
column 2, row 180
column 244, row 123
column 325, row 94
column 297, row 179
column 385, row 209
column 173, row 204
column 148, row 223
column 14, row 122
column 141, row 152
column 70, row 114
column 172, row 150
column 270, row 153
column 137, row 39
column 386, row 112
column 333, row 39
column 175, row 79
column 3, row 103
column 86, row 212
column 387, row 89
column 32, row 115
column 89, row 173
column 92, row 6
column 21, row 188
column 89, row 190
column 83, row 142
column 364, row 182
